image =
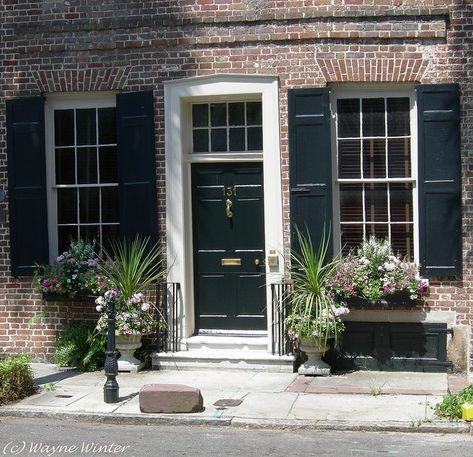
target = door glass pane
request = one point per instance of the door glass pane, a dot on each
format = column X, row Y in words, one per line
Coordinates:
column 107, row 128
column 348, row 111
column 86, row 126
column 237, row 139
column 89, row 205
column 255, row 139
column 86, row 165
column 254, row 115
column 218, row 114
column 236, row 114
column 218, row 138
column 64, row 127
column 373, row 116
column 65, row 166
column 200, row 140
column 200, row 115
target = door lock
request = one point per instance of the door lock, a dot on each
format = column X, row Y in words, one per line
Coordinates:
column 228, row 209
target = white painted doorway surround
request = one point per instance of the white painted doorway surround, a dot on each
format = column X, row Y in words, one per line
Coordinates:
column 178, row 96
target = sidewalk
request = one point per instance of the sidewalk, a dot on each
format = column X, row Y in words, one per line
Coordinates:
column 353, row 401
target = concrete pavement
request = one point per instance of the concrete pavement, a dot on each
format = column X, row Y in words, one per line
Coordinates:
column 351, row 401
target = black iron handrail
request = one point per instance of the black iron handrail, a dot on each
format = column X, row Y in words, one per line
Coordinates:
column 169, row 304
column 280, row 343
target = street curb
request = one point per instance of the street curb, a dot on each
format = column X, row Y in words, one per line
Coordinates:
column 250, row 423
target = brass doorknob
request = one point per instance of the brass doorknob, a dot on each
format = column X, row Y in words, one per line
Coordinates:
column 257, row 262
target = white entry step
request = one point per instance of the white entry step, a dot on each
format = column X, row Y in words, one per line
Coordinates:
column 224, row 352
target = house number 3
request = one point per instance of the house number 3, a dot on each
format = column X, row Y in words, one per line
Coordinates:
column 229, row 191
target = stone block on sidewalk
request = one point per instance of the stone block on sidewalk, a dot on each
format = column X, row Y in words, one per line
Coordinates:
column 170, row 398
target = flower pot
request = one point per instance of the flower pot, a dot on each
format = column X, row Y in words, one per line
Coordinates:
column 127, row 345
column 314, row 349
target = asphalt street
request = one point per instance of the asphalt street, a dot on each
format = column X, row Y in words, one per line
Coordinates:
column 27, row 437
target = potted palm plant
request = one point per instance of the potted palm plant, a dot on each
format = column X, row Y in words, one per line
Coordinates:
column 315, row 317
column 132, row 269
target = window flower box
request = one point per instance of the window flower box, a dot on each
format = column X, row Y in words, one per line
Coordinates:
column 388, row 301
column 373, row 276
column 84, row 297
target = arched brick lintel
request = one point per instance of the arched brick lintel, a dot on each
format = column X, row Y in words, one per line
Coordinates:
column 372, row 70
column 86, row 80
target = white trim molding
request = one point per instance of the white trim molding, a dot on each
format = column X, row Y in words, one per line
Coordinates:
column 178, row 96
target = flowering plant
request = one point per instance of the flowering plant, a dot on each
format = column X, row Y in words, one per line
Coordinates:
column 315, row 314
column 374, row 272
column 133, row 316
column 76, row 271
column 132, row 269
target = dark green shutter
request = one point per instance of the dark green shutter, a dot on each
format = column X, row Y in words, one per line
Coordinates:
column 439, row 179
column 310, row 161
column 27, row 184
column 136, row 164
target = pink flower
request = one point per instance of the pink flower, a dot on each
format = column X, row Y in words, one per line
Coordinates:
column 145, row 307
column 137, row 298
column 99, row 308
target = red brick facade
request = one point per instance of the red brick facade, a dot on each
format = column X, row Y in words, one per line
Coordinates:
column 55, row 47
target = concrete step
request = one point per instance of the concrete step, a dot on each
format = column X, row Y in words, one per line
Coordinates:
column 223, row 351
column 226, row 343
column 214, row 359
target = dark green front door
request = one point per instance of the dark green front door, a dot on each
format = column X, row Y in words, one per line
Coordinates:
column 229, row 246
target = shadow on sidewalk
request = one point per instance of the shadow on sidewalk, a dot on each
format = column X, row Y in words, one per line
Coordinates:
column 56, row 377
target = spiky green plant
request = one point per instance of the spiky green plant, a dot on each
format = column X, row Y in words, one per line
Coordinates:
column 133, row 266
column 314, row 312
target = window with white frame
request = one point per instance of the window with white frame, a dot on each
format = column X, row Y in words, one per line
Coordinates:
column 375, row 179
column 227, row 127
column 84, row 196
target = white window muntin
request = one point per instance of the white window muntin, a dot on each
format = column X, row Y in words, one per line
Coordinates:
column 374, row 91
column 72, row 102
column 228, row 127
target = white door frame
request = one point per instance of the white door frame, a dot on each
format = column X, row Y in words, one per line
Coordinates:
column 177, row 98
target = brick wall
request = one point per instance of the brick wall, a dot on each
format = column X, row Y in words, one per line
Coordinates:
column 56, row 46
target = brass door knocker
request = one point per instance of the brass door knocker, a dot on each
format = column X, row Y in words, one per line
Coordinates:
column 228, row 210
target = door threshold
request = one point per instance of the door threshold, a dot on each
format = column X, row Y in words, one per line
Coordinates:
column 218, row 332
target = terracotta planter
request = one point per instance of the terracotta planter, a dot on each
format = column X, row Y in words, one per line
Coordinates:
column 127, row 345
column 314, row 349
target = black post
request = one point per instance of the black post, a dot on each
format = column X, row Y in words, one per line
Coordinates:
column 110, row 388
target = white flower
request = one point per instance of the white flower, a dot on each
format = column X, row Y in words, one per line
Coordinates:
column 99, row 308
column 100, row 301
column 145, row 307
